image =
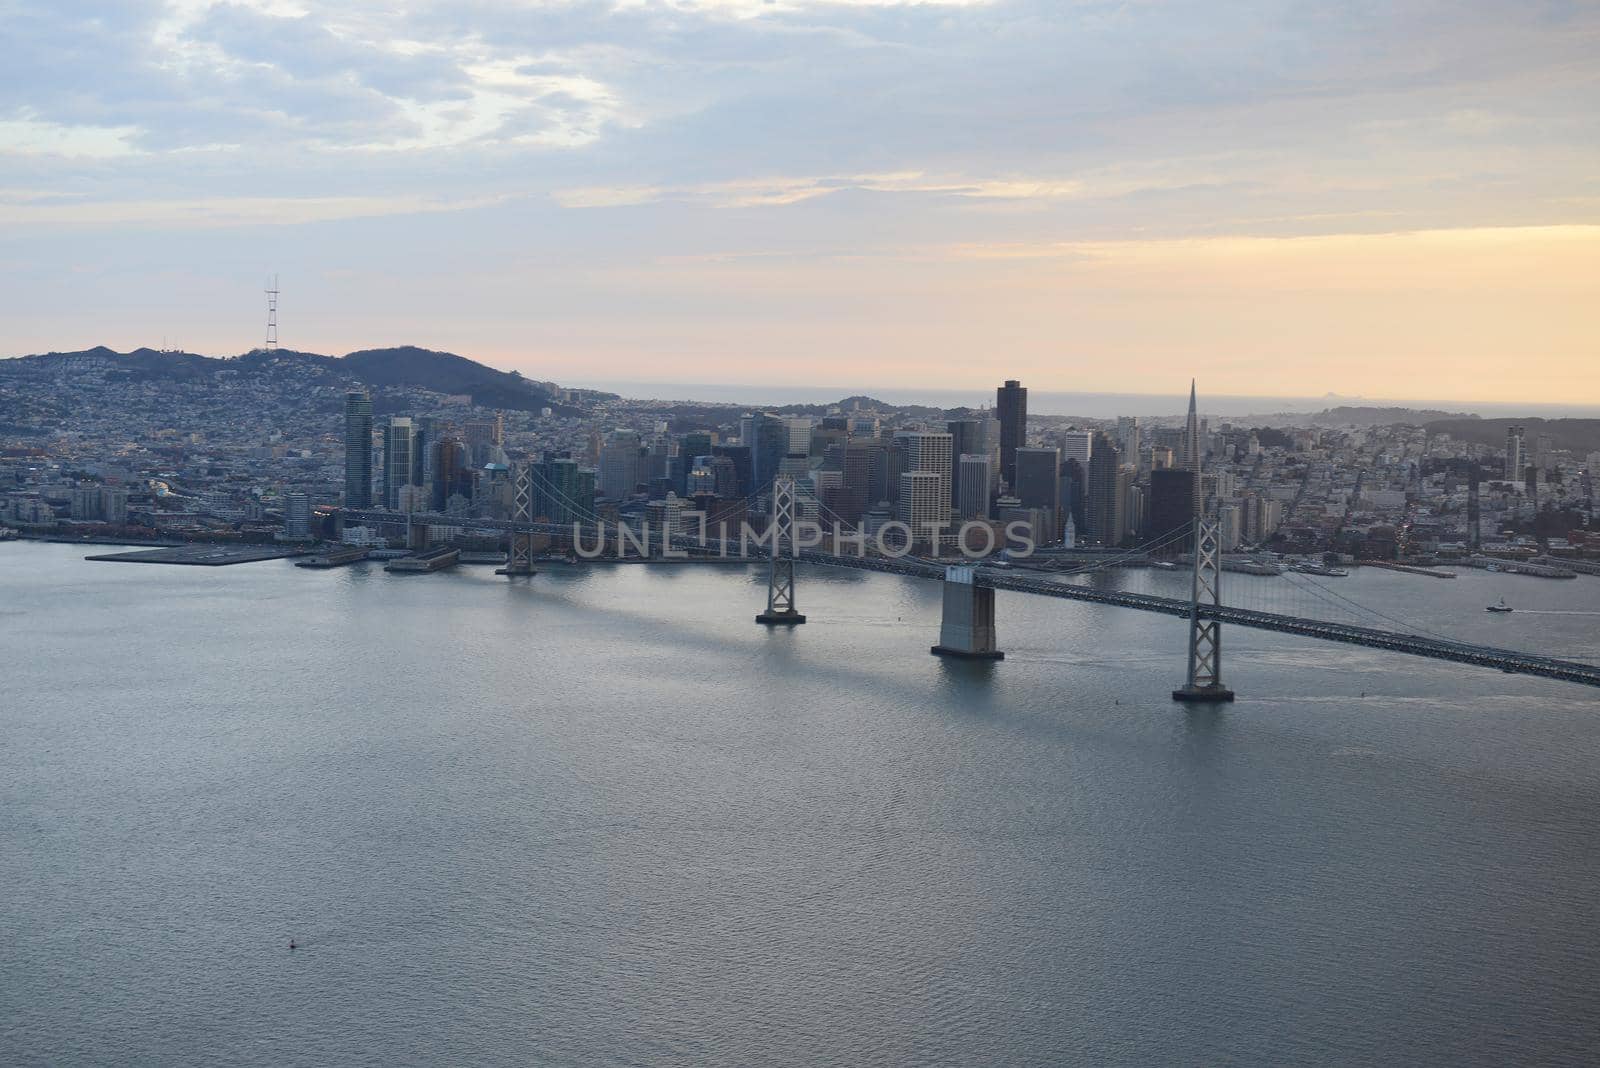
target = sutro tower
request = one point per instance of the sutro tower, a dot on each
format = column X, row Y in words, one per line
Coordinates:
column 272, row 314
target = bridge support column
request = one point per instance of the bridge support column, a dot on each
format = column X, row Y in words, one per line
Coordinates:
column 1204, row 683
column 966, row 628
column 519, row 555
column 416, row 535
column 780, row 579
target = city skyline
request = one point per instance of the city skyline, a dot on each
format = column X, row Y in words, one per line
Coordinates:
column 799, row 532
column 1290, row 202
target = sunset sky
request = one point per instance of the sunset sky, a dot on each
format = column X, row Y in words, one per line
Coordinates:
column 1397, row 200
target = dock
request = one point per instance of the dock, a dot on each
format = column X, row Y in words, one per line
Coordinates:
column 333, row 558
column 426, row 561
column 200, row 555
column 1409, row 569
column 1520, row 567
column 1582, row 567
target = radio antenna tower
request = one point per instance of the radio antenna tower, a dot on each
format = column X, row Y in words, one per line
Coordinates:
column 272, row 314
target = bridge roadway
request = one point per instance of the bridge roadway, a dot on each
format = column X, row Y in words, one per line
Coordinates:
column 1507, row 660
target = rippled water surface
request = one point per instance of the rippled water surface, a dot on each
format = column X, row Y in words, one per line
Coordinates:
column 601, row 817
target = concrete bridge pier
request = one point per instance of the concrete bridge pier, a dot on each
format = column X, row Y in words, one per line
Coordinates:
column 416, row 535
column 966, row 629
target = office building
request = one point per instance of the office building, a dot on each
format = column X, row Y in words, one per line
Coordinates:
column 692, row 449
column 1171, row 508
column 767, row 437
column 1105, row 492
column 1039, row 488
column 1190, row 454
column 888, row 464
column 398, row 460
column 974, row 474
column 296, row 515
column 484, row 439
column 977, row 436
column 928, row 453
column 1075, row 494
column 1077, row 445
column 425, row 431
column 563, row 492
column 357, row 450
column 923, row 502
column 114, row 504
column 452, row 480
column 1011, row 404
column 743, row 467
column 700, row 480
column 856, row 487
column 799, row 437
column 1516, row 462
column 1129, row 438
column 621, row 465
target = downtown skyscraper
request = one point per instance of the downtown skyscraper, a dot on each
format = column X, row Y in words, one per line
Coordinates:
column 925, row 483
column 1105, row 491
column 357, row 450
column 398, row 459
column 1515, row 436
column 1192, row 457
column 1011, row 403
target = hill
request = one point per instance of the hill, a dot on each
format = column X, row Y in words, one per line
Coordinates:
column 376, row 369
column 1366, row 415
column 1581, row 436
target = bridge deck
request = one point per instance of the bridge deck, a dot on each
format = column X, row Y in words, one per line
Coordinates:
column 1507, row 660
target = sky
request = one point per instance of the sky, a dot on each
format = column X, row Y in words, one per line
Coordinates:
column 1281, row 198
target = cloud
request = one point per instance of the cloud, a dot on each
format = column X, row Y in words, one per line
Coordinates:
column 768, row 192
column 36, row 208
column 29, row 137
column 621, row 140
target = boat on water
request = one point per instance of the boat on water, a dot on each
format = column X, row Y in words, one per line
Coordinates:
column 1491, row 567
column 1165, row 565
column 1252, row 567
column 1501, row 607
column 1306, row 567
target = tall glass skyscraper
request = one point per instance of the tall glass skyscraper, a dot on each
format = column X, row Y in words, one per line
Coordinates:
column 398, row 461
column 768, row 438
column 563, row 492
column 1011, row 401
column 452, row 477
column 357, row 450
column 1104, row 491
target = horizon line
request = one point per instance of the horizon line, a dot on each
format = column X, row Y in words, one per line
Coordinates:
column 1331, row 398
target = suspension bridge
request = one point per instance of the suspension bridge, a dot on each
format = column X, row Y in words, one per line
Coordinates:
column 967, row 626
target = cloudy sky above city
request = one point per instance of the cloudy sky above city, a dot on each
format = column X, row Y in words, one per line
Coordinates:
column 1398, row 200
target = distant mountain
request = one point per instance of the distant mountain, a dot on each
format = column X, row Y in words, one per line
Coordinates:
column 1581, row 436
column 377, row 369
column 690, row 415
column 850, row 405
